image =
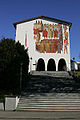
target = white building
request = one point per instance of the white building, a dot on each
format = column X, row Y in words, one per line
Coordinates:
column 47, row 40
column 74, row 65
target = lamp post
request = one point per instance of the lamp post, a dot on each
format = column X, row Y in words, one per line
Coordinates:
column 21, row 77
column 30, row 63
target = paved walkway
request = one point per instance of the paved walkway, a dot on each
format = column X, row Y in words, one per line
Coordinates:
column 10, row 115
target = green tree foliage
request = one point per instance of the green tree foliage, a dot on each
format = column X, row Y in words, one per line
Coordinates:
column 11, row 56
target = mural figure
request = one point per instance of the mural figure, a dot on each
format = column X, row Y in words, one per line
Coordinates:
column 50, row 33
column 55, row 33
column 65, row 46
column 66, row 41
column 45, row 33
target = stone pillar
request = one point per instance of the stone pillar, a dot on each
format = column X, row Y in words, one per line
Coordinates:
column 45, row 66
column 56, row 66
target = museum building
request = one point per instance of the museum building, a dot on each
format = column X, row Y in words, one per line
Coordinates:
column 47, row 41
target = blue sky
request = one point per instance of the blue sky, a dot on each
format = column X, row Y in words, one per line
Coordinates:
column 17, row 10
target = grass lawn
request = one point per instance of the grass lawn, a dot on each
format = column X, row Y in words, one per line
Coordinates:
column 78, row 73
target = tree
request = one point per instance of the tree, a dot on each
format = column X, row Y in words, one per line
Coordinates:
column 12, row 54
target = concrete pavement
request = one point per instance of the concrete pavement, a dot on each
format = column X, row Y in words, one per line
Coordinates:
column 13, row 115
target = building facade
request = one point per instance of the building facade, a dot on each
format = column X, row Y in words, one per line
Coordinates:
column 47, row 41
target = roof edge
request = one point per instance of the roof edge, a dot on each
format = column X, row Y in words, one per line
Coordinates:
column 43, row 17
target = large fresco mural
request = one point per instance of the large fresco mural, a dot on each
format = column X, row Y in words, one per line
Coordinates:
column 49, row 37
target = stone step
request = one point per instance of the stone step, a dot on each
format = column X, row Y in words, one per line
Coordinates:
column 50, row 95
column 51, row 73
column 51, row 108
column 49, row 105
column 50, row 101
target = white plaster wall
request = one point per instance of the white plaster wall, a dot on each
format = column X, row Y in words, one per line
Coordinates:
column 27, row 27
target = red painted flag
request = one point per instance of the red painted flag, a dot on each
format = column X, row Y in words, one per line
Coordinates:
column 26, row 40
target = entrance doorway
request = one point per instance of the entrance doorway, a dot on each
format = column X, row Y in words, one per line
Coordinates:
column 51, row 65
column 62, row 65
column 40, row 65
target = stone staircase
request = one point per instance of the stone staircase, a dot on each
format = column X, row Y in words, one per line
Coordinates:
column 51, row 82
column 50, row 102
column 50, row 91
